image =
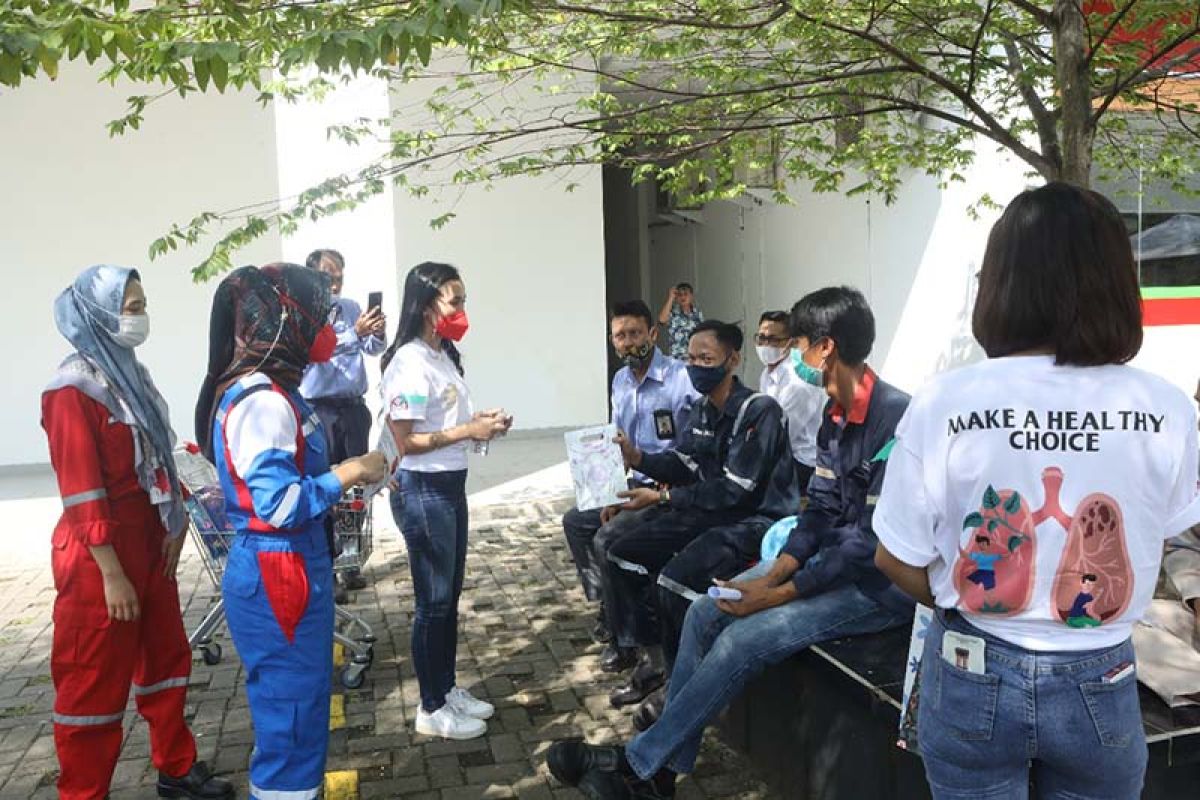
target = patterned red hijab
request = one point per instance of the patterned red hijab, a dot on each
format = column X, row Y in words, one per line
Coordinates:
column 263, row 320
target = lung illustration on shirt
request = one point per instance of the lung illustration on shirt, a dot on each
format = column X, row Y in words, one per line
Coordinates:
column 1094, row 581
column 995, row 573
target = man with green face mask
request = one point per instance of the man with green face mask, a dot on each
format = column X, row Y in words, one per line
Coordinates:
column 651, row 397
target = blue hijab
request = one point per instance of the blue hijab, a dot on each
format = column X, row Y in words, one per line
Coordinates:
column 87, row 314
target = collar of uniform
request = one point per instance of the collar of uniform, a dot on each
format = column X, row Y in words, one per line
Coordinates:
column 862, row 399
column 737, row 395
column 658, row 366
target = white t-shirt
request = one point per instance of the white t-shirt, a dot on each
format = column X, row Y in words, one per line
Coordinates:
column 1040, row 496
column 802, row 406
column 422, row 384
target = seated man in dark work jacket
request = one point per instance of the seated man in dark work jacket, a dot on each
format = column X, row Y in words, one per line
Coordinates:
column 730, row 475
column 824, row 585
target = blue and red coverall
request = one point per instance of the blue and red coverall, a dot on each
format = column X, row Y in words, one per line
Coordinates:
column 270, row 452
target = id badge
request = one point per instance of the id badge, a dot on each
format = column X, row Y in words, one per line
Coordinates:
column 964, row 652
column 664, row 424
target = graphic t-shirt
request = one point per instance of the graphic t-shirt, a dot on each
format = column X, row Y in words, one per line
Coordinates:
column 423, row 385
column 1040, row 496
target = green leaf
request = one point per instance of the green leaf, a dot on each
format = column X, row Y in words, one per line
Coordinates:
column 973, row 520
column 201, row 71
column 220, row 73
column 1014, row 542
column 1013, row 504
column 990, row 498
column 993, row 524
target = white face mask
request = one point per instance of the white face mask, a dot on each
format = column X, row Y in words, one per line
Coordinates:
column 771, row 355
column 132, row 329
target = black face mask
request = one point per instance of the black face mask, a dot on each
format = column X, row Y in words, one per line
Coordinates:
column 638, row 357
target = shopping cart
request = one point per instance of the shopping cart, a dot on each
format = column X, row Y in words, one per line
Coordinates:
column 213, row 536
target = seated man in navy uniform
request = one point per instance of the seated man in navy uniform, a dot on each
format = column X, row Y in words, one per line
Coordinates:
column 824, row 585
column 651, row 400
column 730, row 477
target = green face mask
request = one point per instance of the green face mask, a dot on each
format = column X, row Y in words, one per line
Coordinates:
column 810, row 375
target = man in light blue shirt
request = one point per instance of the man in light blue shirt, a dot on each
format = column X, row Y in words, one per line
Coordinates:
column 336, row 387
column 651, row 399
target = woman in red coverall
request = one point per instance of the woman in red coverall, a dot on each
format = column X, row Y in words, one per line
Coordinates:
column 114, row 551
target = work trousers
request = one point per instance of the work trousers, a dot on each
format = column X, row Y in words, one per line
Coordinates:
column 94, row 660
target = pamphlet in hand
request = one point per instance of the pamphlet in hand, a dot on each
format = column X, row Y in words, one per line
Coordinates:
column 387, row 446
column 597, row 468
column 908, row 739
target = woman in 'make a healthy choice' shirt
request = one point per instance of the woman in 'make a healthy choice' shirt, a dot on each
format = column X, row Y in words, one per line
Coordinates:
column 430, row 416
column 1029, row 497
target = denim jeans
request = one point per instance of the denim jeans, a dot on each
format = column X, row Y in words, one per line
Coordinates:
column 719, row 654
column 1050, row 712
column 431, row 510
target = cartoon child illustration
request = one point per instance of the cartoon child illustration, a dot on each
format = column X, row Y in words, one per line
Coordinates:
column 1080, row 615
column 985, row 563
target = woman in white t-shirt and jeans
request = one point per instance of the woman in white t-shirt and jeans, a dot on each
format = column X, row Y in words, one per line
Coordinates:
column 1028, row 498
column 429, row 413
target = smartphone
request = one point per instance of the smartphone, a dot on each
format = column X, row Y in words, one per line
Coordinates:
column 374, row 300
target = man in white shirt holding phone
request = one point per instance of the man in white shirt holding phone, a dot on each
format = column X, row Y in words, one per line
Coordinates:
column 336, row 387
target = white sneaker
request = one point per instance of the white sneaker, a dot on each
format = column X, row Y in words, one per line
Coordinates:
column 461, row 701
column 448, row 723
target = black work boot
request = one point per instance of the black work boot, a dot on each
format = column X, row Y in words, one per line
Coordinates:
column 625, row 785
column 570, row 759
column 197, row 784
column 644, row 680
column 651, row 709
column 618, row 659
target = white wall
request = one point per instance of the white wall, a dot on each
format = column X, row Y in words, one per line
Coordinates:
column 75, row 197
column 532, row 258
column 915, row 261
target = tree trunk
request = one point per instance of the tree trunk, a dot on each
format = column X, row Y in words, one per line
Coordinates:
column 1077, row 131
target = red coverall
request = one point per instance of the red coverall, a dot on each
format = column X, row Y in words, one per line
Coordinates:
column 95, row 660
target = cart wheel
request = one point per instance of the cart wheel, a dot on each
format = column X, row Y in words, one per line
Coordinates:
column 352, row 677
column 211, row 654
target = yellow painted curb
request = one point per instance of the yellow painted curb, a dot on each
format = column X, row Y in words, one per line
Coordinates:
column 339, row 655
column 337, row 712
column 341, row 785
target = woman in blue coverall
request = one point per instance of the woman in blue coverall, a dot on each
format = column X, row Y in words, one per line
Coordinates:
column 270, row 451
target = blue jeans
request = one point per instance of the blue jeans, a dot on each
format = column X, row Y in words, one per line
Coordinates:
column 431, row 510
column 1052, row 712
column 719, row 654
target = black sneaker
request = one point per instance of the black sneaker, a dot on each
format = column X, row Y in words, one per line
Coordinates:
column 570, row 759
column 354, row 580
column 197, row 784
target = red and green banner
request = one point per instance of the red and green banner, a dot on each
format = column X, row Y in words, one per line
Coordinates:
column 1170, row 305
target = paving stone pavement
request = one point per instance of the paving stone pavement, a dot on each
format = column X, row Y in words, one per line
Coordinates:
column 524, row 646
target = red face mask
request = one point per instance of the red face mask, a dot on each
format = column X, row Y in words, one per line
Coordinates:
column 321, row 350
column 453, row 327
